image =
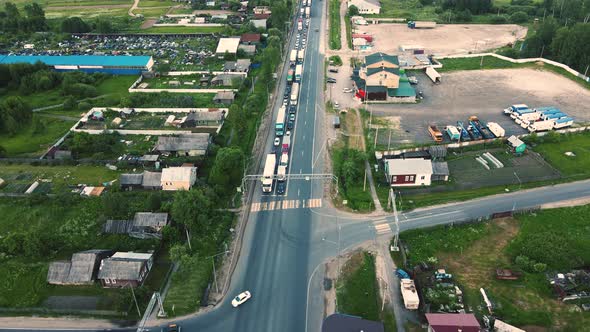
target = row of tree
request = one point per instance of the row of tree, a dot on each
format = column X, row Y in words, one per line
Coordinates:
column 11, row 19
column 15, row 114
column 568, row 45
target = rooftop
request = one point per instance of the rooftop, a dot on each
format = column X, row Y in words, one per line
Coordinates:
column 380, row 56
column 172, row 174
column 229, row 45
column 123, row 266
column 346, row 323
column 80, row 60
column 453, row 322
column 409, row 166
column 149, row 219
column 250, row 38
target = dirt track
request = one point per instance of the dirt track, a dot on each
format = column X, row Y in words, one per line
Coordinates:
column 51, row 8
column 444, row 39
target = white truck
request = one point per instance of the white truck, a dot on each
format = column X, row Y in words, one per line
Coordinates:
column 308, row 12
column 563, row 122
column 514, row 108
column 284, row 159
column 527, row 117
column 496, row 129
column 298, row 72
column 540, row 126
column 294, row 93
column 301, row 55
column 409, row 294
column 269, row 172
column 293, row 56
column 281, row 173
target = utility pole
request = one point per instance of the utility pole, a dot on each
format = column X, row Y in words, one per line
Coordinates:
column 365, row 181
column 389, row 140
column 586, row 71
column 135, row 300
column 188, row 239
column 376, row 135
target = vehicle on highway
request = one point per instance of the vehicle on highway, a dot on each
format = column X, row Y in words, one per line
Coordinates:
column 290, row 124
column 336, row 105
column 172, row 327
column 316, row 30
column 241, row 298
column 285, row 102
column 288, row 133
column 281, row 188
column 331, row 80
column 292, row 117
column 333, row 70
column 277, row 141
column 292, row 109
column 347, row 90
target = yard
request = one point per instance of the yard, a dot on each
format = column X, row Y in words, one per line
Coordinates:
column 184, row 82
column 554, row 147
column 357, row 291
column 472, row 252
column 32, row 142
column 26, row 174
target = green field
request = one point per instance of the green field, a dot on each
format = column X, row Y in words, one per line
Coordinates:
column 335, row 38
column 554, row 153
column 472, row 252
column 67, row 175
column 27, row 142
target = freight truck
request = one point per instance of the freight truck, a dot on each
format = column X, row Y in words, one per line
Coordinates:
column 298, row 72
column 563, row 122
column 409, row 294
column 514, row 108
column 307, row 12
column 294, row 93
column 436, row 135
column 281, row 173
column 481, row 127
column 453, row 133
column 290, row 75
column 293, row 56
column 280, row 123
column 269, row 172
column 286, row 143
column 301, row 55
column 299, row 24
column 464, row 134
column 514, row 115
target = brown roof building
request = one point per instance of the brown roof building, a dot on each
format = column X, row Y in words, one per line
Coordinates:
column 452, row 323
column 250, row 38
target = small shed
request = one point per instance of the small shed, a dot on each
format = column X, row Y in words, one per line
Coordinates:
column 440, row 171
column 125, row 269
column 516, row 144
column 80, row 270
column 116, row 121
column 437, row 151
column 224, row 97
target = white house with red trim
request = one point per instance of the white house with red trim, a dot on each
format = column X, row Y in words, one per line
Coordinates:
column 408, row 172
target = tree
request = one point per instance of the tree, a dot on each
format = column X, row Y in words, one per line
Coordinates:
column 3, row 152
column 226, row 172
column 14, row 114
column 519, row 17
column 38, row 126
column 153, row 202
column 74, row 25
column 69, row 103
column 193, row 209
column 35, row 17
column 353, row 10
column 104, row 25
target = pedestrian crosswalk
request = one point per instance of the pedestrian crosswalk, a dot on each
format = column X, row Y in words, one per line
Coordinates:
column 382, row 229
column 286, row 204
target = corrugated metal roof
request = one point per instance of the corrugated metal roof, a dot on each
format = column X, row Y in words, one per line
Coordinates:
column 81, row 60
column 405, row 89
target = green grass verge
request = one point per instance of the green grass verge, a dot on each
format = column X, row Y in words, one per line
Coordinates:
column 554, row 153
column 67, row 175
column 348, row 24
column 28, row 142
column 357, row 291
column 334, row 11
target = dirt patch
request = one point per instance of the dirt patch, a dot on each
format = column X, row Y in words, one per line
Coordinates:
column 475, row 275
column 444, row 39
column 148, row 23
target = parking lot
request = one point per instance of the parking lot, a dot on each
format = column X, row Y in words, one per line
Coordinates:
column 484, row 93
column 444, row 39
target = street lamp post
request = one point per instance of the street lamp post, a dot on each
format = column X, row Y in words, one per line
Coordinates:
column 214, row 272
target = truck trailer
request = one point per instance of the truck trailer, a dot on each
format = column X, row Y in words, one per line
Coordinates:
column 308, row 12
column 286, row 143
column 464, row 134
column 541, row 126
column 281, row 173
column 293, row 56
column 496, row 129
column 481, row 127
column 518, row 113
column 409, row 294
column 294, row 93
column 290, row 75
column 299, row 24
column 280, row 123
column 421, row 24
column 563, row 122
column 269, row 172
column 298, row 72
column 527, row 117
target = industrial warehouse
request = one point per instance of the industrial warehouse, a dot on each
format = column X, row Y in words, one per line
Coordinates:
column 117, row 65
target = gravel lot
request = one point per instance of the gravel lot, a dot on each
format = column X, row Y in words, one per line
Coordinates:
column 484, row 93
column 444, row 39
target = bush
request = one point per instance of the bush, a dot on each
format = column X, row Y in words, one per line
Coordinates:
column 464, row 16
column 336, row 60
column 519, row 17
column 84, row 106
column 499, row 19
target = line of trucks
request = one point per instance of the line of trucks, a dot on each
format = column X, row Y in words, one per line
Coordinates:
column 472, row 130
column 538, row 119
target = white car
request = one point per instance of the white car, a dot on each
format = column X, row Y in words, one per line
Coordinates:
column 336, row 105
column 347, row 90
column 241, row 298
column 285, row 102
column 288, row 133
column 277, row 141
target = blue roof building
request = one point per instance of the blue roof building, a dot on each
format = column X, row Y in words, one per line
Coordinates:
column 113, row 64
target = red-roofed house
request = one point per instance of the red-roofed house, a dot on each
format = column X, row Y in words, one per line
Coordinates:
column 261, row 16
column 452, row 323
column 250, row 38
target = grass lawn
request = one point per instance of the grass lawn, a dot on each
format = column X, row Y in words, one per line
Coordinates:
column 26, row 142
column 358, row 293
column 554, row 153
column 181, row 30
column 69, row 175
column 335, row 38
column 151, row 12
column 90, row 12
column 472, row 252
column 410, row 9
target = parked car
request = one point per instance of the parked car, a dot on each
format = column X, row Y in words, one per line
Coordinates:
column 292, row 109
column 241, row 298
column 333, row 70
column 331, row 80
column 172, row 327
column 347, row 90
